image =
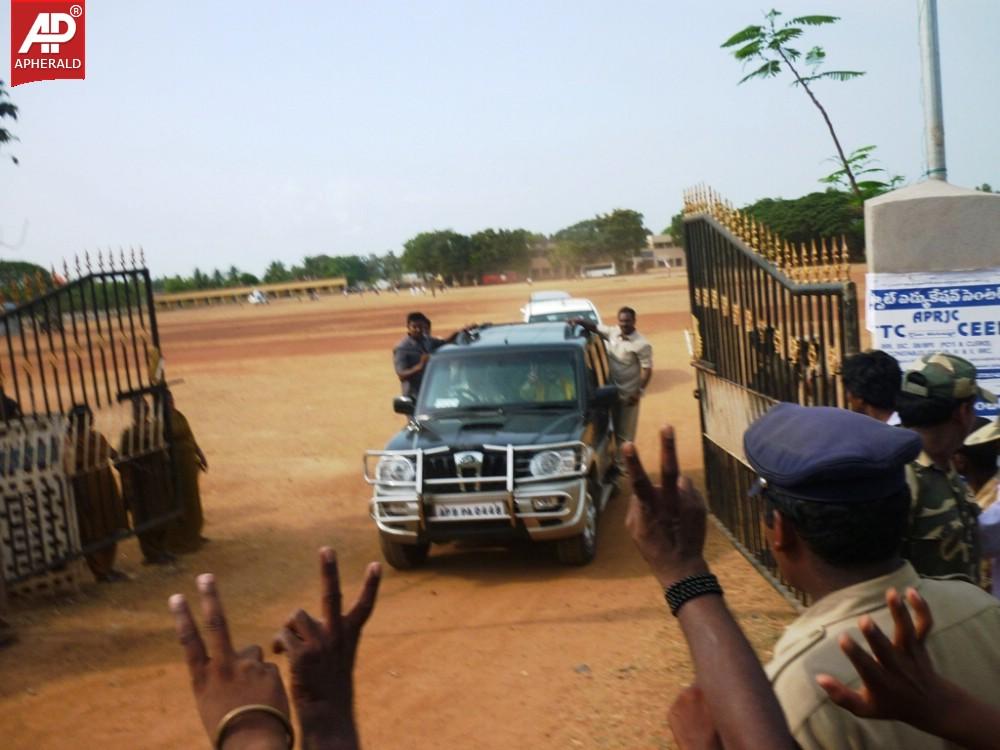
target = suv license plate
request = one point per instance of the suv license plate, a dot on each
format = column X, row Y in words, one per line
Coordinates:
column 470, row 510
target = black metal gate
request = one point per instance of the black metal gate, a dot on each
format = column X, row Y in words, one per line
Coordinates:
column 85, row 454
column 770, row 322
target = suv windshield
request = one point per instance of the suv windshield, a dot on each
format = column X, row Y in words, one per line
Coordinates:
column 500, row 379
column 556, row 317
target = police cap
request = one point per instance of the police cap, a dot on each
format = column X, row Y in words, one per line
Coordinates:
column 823, row 454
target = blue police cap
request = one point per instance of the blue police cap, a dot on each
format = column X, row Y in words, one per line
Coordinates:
column 824, row 454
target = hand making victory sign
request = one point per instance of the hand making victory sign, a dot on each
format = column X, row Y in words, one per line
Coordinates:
column 240, row 697
column 321, row 658
column 667, row 522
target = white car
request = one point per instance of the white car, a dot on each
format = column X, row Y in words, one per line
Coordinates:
column 554, row 310
column 257, row 297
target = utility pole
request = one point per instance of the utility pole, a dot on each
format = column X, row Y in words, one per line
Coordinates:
column 933, row 110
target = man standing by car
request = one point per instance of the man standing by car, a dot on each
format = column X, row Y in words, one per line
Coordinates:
column 631, row 359
column 411, row 354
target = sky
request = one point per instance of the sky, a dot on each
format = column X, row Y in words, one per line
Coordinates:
column 223, row 133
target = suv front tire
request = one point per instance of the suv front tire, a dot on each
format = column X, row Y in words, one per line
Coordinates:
column 581, row 549
column 403, row 556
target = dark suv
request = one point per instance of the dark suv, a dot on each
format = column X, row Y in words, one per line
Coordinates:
column 510, row 438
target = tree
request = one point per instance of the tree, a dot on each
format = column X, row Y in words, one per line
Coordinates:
column 19, row 273
column 676, row 229
column 386, row 266
column 496, row 250
column 862, row 162
column 617, row 236
column 276, row 273
column 200, row 280
column 829, row 214
column 7, row 109
column 441, row 252
column 622, row 234
column 986, row 188
column 770, row 45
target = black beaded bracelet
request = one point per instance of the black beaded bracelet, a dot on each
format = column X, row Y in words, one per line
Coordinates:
column 686, row 589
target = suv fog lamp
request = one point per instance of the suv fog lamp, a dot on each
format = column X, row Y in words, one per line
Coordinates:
column 546, row 503
column 394, row 469
column 547, row 463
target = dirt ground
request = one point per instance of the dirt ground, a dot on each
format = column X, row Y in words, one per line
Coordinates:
column 484, row 648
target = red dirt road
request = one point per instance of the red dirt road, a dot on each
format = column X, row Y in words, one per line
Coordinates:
column 484, row 648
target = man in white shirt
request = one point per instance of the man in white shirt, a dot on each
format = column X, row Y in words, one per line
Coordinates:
column 631, row 358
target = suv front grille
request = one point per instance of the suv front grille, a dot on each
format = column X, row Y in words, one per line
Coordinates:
column 442, row 466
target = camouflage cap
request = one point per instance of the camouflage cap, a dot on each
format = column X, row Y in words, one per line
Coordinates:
column 987, row 433
column 943, row 376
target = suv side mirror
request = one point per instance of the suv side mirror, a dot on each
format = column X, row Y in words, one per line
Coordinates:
column 605, row 396
column 403, row 405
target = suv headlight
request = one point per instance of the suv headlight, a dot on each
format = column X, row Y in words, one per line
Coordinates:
column 394, row 469
column 548, row 463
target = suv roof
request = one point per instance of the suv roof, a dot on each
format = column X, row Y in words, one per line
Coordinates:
column 518, row 334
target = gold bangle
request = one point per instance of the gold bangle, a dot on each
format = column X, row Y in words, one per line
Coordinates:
column 229, row 718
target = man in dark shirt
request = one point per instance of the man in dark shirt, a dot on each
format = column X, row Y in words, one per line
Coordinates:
column 411, row 354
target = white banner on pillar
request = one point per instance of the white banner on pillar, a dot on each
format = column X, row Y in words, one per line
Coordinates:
column 958, row 312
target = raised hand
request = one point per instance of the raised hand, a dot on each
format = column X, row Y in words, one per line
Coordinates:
column 667, row 522
column 223, row 680
column 899, row 681
column 321, row 657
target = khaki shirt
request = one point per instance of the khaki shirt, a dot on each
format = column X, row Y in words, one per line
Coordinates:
column 941, row 538
column 964, row 646
column 628, row 357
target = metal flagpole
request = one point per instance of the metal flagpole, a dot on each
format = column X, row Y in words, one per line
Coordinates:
column 933, row 111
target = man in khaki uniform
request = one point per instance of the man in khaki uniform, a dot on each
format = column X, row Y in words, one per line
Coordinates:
column 837, row 506
column 936, row 401
column 630, row 356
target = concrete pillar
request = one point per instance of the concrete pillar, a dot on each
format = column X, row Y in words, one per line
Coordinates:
column 932, row 226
